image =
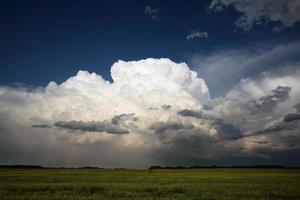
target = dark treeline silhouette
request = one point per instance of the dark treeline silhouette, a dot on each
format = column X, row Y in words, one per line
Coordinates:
column 21, row 167
column 214, row 166
column 42, row 167
column 152, row 167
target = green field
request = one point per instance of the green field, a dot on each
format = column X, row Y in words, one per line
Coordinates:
column 128, row 184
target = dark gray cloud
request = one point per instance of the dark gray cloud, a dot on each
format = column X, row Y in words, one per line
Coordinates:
column 291, row 117
column 162, row 127
column 186, row 149
column 268, row 103
column 279, row 127
column 117, row 119
column 207, row 107
column 259, row 142
column 183, row 144
column 92, row 126
column 194, row 147
column 297, row 107
column 41, row 126
column 227, row 130
column 190, row 113
column 280, row 143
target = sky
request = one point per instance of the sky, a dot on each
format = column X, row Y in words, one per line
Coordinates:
column 141, row 83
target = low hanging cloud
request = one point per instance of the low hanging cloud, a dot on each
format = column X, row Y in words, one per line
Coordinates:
column 41, row 126
column 120, row 119
column 92, row 126
column 163, row 127
column 291, row 117
column 257, row 12
column 224, row 130
column 155, row 112
column 190, row 113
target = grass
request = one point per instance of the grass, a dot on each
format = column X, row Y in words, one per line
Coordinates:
column 196, row 184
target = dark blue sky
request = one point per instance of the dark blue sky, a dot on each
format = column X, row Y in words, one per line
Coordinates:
column 43, row 40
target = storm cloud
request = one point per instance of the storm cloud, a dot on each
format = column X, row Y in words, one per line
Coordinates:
column 155, row 112
column 291, row 117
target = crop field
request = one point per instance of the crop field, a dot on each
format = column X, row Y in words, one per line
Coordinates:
column 197, row 184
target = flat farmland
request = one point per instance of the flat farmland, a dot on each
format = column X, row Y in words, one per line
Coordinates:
column 196, row 184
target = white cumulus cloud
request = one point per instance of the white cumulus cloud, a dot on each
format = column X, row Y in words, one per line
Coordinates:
column 154, row 112
column 136, row 86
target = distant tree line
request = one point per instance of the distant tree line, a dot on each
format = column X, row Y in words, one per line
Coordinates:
column 215, row 166
column 150, row 168
column 21, row 167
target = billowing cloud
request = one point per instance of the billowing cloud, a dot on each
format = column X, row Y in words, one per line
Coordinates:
column 154, row 112
column 89, row 107
column 196, row 34
column 259, row 11
column 136, row 86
